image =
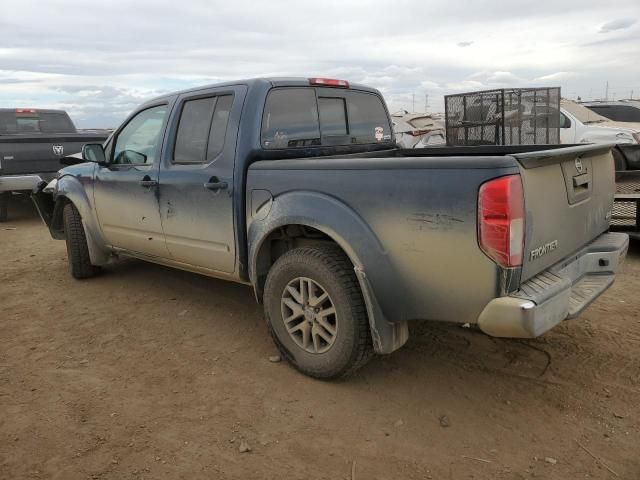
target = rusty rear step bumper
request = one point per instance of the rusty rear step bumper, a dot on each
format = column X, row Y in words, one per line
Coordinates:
column 561, row 292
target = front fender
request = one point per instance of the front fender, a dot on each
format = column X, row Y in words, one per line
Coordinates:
column 74, row 189
column 338, row 221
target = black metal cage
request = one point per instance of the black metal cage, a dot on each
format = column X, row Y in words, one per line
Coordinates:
column 516, row 116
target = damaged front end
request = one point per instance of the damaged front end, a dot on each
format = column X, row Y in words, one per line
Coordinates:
column 43, row 196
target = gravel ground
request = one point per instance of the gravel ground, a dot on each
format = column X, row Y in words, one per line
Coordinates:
column 148, row 372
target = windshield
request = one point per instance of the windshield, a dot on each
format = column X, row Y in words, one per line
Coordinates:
column 618, row 113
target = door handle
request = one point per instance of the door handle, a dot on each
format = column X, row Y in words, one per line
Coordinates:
column 215, row 184
column 147, row 182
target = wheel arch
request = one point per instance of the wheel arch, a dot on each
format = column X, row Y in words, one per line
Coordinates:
column 70, row 190
column 328, row 220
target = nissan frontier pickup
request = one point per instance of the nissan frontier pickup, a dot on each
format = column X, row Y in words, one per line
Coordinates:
column 296, row 187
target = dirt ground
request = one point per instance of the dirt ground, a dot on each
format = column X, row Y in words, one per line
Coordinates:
column 148, row 372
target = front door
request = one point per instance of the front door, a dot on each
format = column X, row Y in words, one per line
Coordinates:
column 196, row 179
column 125, row 191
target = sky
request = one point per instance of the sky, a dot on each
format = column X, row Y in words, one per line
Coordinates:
column 99, row 60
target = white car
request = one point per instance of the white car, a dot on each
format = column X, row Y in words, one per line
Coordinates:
column 579, row 124
column 418, row 130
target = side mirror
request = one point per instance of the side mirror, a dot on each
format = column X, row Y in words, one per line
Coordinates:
column 93, row 152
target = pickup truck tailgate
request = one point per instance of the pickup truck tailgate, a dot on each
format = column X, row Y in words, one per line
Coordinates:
column 568, row 195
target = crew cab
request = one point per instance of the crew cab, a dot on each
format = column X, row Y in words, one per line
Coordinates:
column 296, row 187
column 32, row 142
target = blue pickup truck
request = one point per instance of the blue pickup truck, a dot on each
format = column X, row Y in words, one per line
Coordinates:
column 296, row 187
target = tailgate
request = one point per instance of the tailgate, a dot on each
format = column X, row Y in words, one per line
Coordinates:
column 39, row 153
column 568, row 195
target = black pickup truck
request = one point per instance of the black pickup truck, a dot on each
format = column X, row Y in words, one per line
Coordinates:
column 32, row 142
column 296, row 187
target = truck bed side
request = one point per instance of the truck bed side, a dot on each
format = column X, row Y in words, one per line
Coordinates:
column 408, row 223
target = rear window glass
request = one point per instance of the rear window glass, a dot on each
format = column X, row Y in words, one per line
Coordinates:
column 290, row 118
column 294, row 117
column 219, row 126
column 618, row 113
column 55, row 123
column 202, row 128
column 41, row 122
column 193, row 130
column 368, row 121
column 333, row 116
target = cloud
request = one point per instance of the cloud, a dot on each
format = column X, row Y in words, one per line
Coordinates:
column 552, row 77
column 619, row 24
column 126, row 51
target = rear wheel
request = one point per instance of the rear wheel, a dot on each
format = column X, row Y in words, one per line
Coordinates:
column 77, row 248
column 316, row 314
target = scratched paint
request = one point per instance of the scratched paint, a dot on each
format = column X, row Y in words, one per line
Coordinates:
column 434, row 221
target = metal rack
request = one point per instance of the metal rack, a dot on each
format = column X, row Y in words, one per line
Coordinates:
column 516, row 116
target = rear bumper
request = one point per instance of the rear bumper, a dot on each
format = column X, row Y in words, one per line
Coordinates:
column 561, row 292
column 23, row 183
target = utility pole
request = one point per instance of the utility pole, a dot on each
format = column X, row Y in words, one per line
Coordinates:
column 426, row 102
column 631, row 97
column 606, row 95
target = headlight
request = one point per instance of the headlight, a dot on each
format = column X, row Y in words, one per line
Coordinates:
column 51, row 186
column 636, row 136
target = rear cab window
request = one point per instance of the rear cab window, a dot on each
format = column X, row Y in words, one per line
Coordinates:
column 34, row 121
column 316, row 116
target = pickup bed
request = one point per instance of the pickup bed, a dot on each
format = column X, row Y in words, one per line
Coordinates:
column 296, row 187
column 32, row 142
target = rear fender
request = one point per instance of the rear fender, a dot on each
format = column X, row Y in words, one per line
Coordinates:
column 353, row 235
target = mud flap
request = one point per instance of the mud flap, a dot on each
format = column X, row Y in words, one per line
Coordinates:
column 44, row 202
column 387, row 337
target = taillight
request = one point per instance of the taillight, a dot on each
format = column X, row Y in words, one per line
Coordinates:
column 501, row 220
column 329, row 82
column 25, row 110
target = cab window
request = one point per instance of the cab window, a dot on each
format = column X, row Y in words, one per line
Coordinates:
column 564, row 121
column 138, row 143
column 305, row 116
column 202, row 129
column 290, row 119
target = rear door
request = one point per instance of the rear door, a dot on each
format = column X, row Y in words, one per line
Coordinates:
column 196, row 179
column 568, row 196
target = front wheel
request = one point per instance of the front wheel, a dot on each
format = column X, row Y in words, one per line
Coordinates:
column 77, row 248
column 4, row 206
column 316, row 314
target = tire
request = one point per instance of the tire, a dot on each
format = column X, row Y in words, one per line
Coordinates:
column 318, row 270
column 77, row 250
column 4, row 206
column 619, row 160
